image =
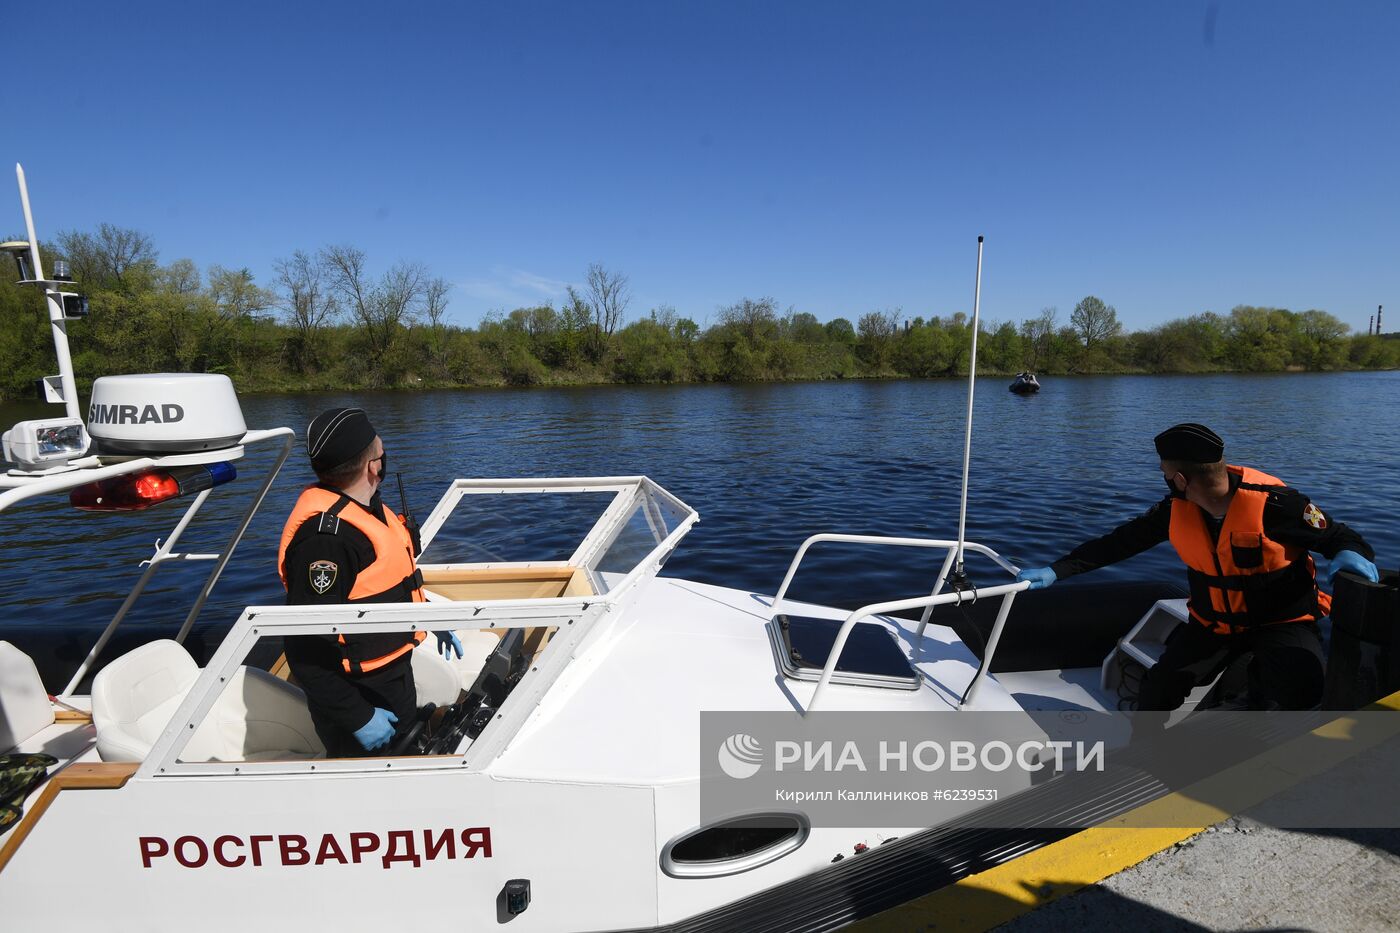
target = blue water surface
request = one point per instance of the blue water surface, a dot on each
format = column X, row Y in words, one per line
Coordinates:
column 765, row 465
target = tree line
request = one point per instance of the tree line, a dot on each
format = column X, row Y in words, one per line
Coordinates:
column 325, row 321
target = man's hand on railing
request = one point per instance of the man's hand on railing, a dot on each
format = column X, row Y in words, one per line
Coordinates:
column 1038, row 577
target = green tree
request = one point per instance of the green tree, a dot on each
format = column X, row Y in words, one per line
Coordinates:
column 113, row 258
column 876, row 332
column 236, row 295
column 925, row 350
column 308, row 304
column 840, row 331
column 1320, row 342
column 1002, row 350
column 1256, row 339
column 1094, row 321
column 1037, row 333
column 609, row 294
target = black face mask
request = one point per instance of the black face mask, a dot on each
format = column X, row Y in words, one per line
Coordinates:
column 1171, row 487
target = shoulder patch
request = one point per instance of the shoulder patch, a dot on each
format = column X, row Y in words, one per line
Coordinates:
column 1314, row 517
column 321, row 575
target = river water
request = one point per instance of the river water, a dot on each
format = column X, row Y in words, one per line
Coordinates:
column 765, row 465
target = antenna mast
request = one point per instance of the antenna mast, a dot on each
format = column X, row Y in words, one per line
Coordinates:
column 67, row 386
column 959, row 578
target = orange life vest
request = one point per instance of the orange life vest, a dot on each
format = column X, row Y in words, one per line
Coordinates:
column 392, row 576
column 1244, row 578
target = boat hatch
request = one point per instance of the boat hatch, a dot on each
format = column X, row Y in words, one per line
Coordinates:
column 548, row 538
column 871, row 658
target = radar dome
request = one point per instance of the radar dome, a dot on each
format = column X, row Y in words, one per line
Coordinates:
column 164, row 413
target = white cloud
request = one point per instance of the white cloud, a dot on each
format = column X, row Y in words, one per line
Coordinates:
column 513, row 288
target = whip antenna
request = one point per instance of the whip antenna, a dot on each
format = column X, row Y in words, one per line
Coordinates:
column 403, row 499
column 959, row 578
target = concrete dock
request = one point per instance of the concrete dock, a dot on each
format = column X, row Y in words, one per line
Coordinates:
column 1230, row 869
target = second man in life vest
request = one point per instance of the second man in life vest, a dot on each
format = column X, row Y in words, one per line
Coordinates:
column 1244, row 537
column 341, row 544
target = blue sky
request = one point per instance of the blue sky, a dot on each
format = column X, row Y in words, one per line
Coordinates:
column 1170, row 157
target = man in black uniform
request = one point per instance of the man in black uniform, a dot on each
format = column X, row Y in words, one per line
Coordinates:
column 342, row 544
column 1244, row 537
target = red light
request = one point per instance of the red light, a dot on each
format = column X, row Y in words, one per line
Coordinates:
column 125, row 493
column 138, row 491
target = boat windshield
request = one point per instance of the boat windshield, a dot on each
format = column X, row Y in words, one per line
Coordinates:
column 544, row 538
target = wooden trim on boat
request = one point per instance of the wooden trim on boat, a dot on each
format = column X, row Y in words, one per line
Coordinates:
column 507, row 583
column 281, row 668
column 83, row 776
column 497, row 575
column 72, row 715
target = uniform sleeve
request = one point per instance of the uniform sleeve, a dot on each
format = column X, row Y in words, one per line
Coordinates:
column 316, row 659
column 1132, row 537
column 1291, row 518
column 320, row 568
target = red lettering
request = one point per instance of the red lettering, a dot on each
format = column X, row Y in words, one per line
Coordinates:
column 401, row 838
column 219, row 852
column 255, row 843
column 330, row 849
column 152, row 847
column 477, row 839
column 294, row 846
column 362, row 844
column 200, row 847
column 447, row 840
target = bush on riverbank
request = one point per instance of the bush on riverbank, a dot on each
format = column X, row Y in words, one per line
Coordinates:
column 329, row 325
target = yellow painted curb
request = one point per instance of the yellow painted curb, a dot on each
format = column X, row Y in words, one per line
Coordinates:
column 984, row 900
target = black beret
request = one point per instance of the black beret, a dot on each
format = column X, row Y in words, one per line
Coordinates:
column 337, row 436
column 1193, row 443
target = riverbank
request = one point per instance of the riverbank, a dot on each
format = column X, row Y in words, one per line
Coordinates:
column 581, row 380
column 154, row 323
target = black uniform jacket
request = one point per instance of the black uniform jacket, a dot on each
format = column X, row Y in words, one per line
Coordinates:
column 1283, row 522
column 316, row 660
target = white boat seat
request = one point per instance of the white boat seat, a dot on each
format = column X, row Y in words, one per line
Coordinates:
column 440, row 680
column 256, row 717
column 25, row 710
column 477, row 646
column 134, row 697
column 434, row 678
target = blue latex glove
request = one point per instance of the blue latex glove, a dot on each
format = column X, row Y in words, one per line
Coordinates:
column 378, row 731
column 1354, row 562
column 1039, row 577
column 448, row 642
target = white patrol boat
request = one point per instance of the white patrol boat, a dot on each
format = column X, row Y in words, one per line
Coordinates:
column 556, row 785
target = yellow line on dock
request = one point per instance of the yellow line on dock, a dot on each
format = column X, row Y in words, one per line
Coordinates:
column 987, row 899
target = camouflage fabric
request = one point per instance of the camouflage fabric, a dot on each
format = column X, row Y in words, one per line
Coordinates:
column 19, row 774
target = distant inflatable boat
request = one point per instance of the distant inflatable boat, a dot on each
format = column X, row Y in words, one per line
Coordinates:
column 1025, row 384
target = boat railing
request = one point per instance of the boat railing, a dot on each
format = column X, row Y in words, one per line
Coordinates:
column 1007, row 592
column 17, row 488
